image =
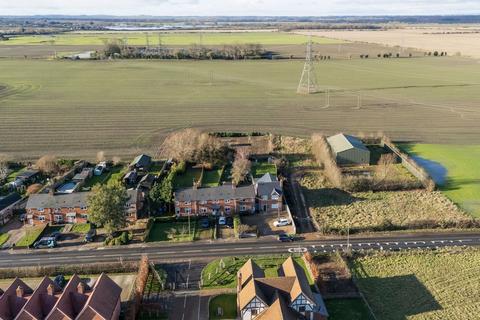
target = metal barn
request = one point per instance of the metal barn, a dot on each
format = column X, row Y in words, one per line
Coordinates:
column 349, row 150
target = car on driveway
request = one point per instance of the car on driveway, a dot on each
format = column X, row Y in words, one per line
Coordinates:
column 45, row 243
column 283, row 237
column 90, row 236
column 204, row 223
column 222, row 221
column 229, row 222
column 281, row 222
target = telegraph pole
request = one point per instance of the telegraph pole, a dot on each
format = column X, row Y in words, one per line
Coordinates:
column 308, row 81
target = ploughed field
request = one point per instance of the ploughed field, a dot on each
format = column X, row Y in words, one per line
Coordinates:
column 421, row 285
column 75, row 108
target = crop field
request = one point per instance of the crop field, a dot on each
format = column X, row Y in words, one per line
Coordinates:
column 168, row 38
column 421, row 285
column 452, row 39
column 459, row 169
column 335, row 210
column 76, row 108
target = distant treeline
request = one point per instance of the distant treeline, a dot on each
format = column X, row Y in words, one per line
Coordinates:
column 197, row 52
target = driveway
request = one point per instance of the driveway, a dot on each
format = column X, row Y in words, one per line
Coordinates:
column 264, row 223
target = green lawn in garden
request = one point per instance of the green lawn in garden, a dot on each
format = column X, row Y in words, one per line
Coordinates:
column 261, row 168
column 31, row 235
column 81, row 228
column 351, row 309
column 3, row 238
column 185, row 180
column 211, row 178
column 227, row 302
column 163, row 231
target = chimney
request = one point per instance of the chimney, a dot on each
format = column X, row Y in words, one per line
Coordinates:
column 50, row 290
column 20, row 292
column 81, row 288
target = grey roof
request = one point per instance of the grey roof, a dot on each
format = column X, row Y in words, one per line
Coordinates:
column 267, row 177
column 27, row 174
column 141, row 161
column 215, row 193
column 9, row 199
column 342, row 142
column 71, row 200
column 266, row 189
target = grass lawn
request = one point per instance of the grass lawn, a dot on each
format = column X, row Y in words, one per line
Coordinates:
column 32, row 234
column 11, row 177
column 462, row 181
column 227, row 302
column 163, row 231
column 177, row 38
column 81, row 228
column 211, row 178
column 351, row 309
column 3, row 238
column 185, row 180
column 156, row 168
column 216, row 276
column 261, row 168
column 441, row 284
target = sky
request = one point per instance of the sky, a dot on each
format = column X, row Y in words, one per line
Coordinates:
column 239, row 7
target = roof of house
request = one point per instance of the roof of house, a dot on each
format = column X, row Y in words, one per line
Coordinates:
column 10, row 303
column 9, row 199
column 27, row 174
column 342, row 142
column 41, row 302
column 142, row 160
column 71, row 301
column 276, row 292
column 266, row 189
column 71, row 200
column 267, row 177
column 101, row 303
column 215, row 193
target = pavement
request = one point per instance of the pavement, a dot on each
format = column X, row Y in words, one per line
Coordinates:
column 168, row 252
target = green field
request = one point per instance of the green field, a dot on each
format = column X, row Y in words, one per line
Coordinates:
column 421, row 285
column 351, row 309
column 462, row 180
column 122, row 107
column 171, row 38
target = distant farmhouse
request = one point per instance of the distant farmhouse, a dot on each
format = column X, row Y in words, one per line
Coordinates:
column 286, row 297
column 77, row 301
column 349, row 150
column 264, row 195
column 71, row 208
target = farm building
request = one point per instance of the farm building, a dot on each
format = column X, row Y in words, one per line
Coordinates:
column 348, row 150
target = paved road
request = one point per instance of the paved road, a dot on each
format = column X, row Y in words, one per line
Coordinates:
column 175, row 252
column 300, row 210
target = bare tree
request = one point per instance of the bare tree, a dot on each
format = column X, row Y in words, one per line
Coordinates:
column 240, row 169
column 3, row 166
column 34, row 188
column 100, row 156
column 385, row 167
column 116, row 160
column 48, row 164
column 323, row 154
column 180, row 145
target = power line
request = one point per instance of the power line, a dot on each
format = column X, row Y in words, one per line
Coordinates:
column 308, row 81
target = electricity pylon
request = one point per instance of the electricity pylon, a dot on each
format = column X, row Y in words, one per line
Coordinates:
column 308, row 81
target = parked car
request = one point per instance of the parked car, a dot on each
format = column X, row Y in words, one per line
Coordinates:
column 56, row 234
column 283, row 237
column 222, row 221
column 230, row 222
column 90, row 236
column 281, row 222
column 204, row 223
column 45, row 243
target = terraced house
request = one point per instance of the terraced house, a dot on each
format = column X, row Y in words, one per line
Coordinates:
column 226, row 199
column 287, row 296
column 71, row 208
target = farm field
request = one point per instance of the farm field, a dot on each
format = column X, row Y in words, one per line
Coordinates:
column 452, row 39
column 459, row 169
column 168, row 38
column 421, row 285
column 337, row 210
column 75, row 109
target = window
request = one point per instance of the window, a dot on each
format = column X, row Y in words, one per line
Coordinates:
column 41, row 218
column 275, row 206
column 275, row 196
column 58, row 218
column 254, row 312
column 177, row 203
column 301, row 309
column 41, row 209
column 243, row 208
column 84, row 208
column 203, row 202
column 264, row 197
column 177, row 210
column 188, row 210
column 203, row 210
column 227, row 201
column 228, row 209
column 187, row 203
column 84, row 216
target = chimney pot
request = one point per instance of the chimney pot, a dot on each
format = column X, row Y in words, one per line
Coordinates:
column 81, row 288
column 50, row 289
column 20, row 292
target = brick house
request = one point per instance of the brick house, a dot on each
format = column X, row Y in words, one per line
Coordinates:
column 269, row 193
column 8, row 204
column 77, row 301
column 72, row 208
column 226, row 199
